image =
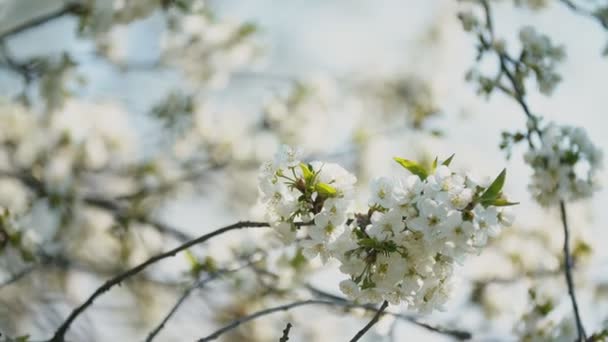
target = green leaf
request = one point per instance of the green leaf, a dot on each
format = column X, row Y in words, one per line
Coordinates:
column 367, row 242
column 325, row 190
column 306, row 172
column 501, row 202
column 448, row 161
column 493, row 191
column 412, row 167
column 434, row 165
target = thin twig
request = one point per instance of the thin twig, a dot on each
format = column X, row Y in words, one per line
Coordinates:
column 371, row 323
column 457, row 334
column 582, row 336
column 59, row 335
column 73, row 8
column 17, row 276
column 262, row 313
column 195, row 285
column 584, row 12
column 116, row 209
column 285, row 336
column 519, row 93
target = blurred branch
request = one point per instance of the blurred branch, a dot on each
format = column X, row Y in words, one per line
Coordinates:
column 519, row 93
column 371, row 323
column 72, row 8
column 119, row 212
column 59, row 335
column 17, row 276
column 584, row 12
column 538, row 274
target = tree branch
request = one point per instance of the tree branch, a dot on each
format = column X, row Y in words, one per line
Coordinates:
column 582, row 336
column 17, row 276
column 584, row 12
column 457, row 334
column 196, row 285
column 261, row 313
column 72, row 8
column 519, row 97
column 285, row 336
column 371, row 323
column 112, row 206
column 59, row 335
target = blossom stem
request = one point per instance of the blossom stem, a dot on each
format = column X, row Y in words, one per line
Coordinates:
column 568, row 273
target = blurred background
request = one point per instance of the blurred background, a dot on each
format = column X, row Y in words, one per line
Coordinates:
column 129, row 126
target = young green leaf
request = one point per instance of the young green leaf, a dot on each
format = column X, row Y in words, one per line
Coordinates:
column 412, row 167
column 501, row 202
column 434, row 165
column 493, row 191
column 448, row 161
column 306, row 172
column 326, row 190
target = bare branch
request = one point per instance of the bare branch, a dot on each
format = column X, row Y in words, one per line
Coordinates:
column 196, row 285
column 582, row 336
column 59, row 335
column 17, row 276
column 584, row 12
column 457, row 334
column 371, row 323
column 519, row 94
column 72, row 8
column 261, row 313
column 112, row 206
column 285, row 336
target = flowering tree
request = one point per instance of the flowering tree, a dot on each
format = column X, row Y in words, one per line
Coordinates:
column 87, row 187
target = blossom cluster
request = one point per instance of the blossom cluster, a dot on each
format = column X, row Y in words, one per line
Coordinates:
column 316, row 193
column 565, row 165
column 209, row 49
column 39, row 172
column 540, row 55
column 405, row 247
column 540, row 322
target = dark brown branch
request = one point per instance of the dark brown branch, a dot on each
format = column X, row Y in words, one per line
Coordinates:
column 519, row 93
column 371, row 323
column 457, row 334
column 196, row 285
column 332, row 302
column 285, row 336
column 582, row 336
column 261, row 313
column 59, row 335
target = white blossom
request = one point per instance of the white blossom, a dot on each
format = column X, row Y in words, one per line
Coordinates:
column 404, row 249
column 564, row 166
